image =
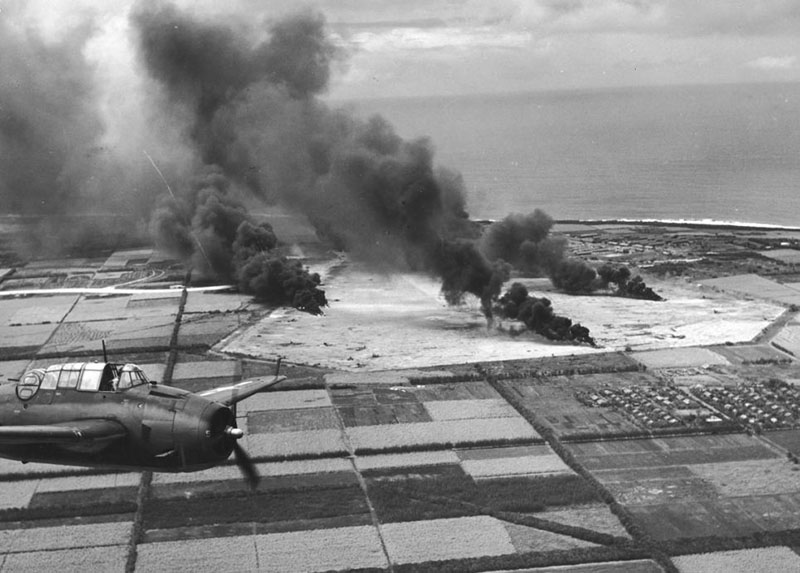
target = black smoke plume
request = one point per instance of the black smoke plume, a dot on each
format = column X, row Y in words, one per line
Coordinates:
column 626, row 286
column 524, row 242
column 537, row 314
column 230, row 111
column 256, row 121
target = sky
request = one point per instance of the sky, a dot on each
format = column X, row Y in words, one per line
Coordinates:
column 394, row 48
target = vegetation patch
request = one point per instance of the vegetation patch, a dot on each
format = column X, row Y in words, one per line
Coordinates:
column 751, row 477
column 527, row 465
column 407, row 460
column 107, row 559
column 671, row 451
column 444, row 433
column 787, row 439
column 249, row 528
column 595, row 556
column 70, row 511
column 398, row 497
column 470, row 409
column 378, row 414
column 231, row 507
column 596, row 517
column 680, row 520
column 441, row 539
column 690, row 357
column 67, row 536
column 272, row 484
column 303, row 419
column 571, row 365
column 528, row 539
column 762, row 559
column 336, row 549
column 295, row 445
column 81, row 498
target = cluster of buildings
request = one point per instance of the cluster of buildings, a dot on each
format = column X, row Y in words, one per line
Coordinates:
column 652, row 406
column 771, row 405
column 766, row 406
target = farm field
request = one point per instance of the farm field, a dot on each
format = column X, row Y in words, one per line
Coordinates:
column 698, row 486
column 430, row 466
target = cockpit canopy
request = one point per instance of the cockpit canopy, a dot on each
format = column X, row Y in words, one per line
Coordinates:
column 82, row 376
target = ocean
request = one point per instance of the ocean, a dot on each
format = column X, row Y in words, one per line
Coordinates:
column 723, row 153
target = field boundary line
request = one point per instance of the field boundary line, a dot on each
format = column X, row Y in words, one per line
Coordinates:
column 362, row 483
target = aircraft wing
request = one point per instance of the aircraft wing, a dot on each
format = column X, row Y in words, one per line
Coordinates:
column 229, row 395
column 72, row 432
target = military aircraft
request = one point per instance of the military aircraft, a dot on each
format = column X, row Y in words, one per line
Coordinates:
column 109, row 415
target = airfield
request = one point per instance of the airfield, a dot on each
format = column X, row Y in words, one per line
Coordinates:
column 412, row 437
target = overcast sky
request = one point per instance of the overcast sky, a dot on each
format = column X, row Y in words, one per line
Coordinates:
column 423, row 47
column 456, row 46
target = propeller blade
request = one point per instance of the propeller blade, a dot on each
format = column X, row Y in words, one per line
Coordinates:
column 246, row 466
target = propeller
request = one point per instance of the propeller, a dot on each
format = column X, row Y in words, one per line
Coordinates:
column 246, row 466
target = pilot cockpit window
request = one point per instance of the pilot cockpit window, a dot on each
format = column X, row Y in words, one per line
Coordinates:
column 91, row 377
column 50, row 380
column 131, row 376
column 69, row 376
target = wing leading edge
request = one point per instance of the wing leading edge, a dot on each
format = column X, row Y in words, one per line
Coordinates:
column 229, row 395
column 79, row 431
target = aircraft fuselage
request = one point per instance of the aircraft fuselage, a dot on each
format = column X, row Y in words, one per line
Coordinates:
column 161, row 428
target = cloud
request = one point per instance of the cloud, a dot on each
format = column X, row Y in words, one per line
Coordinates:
column 438, row 38
column 769, row 63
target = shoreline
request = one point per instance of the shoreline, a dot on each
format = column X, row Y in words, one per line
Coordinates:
column 691, row 223
column 688, row 223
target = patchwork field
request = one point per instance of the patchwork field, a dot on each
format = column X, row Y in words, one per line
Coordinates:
column 699, row 486
column 432, row 467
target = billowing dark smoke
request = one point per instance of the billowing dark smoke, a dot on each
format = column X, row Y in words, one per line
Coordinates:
column 626, row 286
column 537, row 314
column 573, row 275
column 256, row 121
column 524, row 242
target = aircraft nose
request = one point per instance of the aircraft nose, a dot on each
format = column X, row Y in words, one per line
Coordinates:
column 218, row 429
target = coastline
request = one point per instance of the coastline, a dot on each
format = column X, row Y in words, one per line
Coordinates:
column 691, row 223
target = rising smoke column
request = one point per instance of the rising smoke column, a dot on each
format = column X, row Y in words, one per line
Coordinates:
column 524, row 242
column 255, row 119
column 537, row 314
column 626, row 286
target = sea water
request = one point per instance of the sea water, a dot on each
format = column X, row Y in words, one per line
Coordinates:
column 725, row 152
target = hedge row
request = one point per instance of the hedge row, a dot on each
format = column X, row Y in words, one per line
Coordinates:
column 709, row 544
column 652, row 433
column 576, row 556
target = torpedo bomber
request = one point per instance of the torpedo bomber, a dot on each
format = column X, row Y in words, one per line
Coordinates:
column 108, row 415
